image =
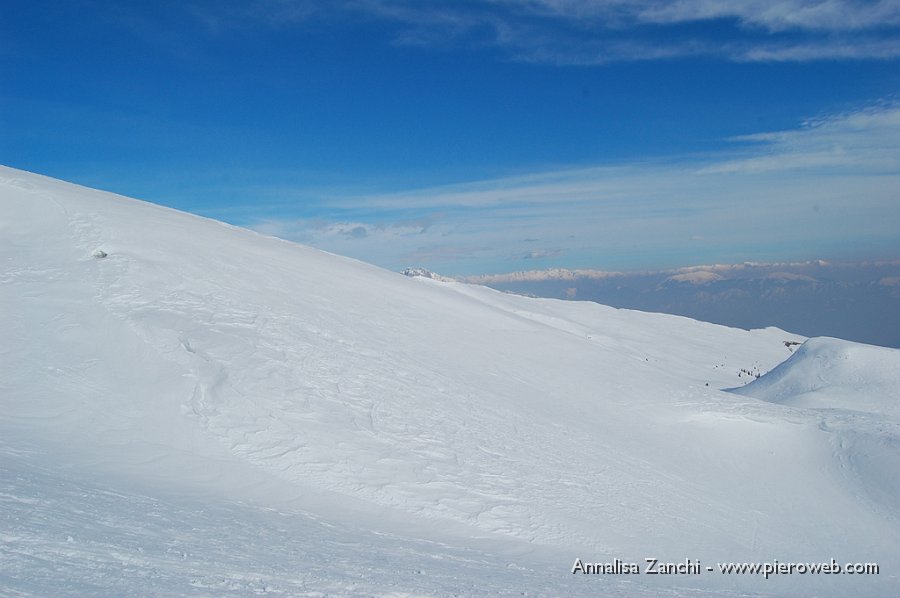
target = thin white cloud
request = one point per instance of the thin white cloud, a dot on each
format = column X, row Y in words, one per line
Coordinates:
column 317, row 231
column 847, row 49
column 828, row 187
column 781, row 15
column 602, row 31
column 763, row 31
column 862, row 141
column 773, row 15
column 540, row 254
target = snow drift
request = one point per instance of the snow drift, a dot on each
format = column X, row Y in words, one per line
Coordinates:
column 835, row 374
column 173, row 386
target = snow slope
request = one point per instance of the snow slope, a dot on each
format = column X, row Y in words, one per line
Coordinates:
column 209, row 411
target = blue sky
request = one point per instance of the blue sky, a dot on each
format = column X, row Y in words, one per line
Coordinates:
column 478, row 136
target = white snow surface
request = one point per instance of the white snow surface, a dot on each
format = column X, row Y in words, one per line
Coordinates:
column 191, row 408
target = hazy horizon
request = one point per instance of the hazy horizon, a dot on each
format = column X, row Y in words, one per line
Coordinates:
column 853, row 301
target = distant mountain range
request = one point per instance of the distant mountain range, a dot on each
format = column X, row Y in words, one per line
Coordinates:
column 853, row 301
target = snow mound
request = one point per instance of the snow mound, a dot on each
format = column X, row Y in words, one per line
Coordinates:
column 835, row 374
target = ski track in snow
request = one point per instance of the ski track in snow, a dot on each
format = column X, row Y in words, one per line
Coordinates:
column 270, row 378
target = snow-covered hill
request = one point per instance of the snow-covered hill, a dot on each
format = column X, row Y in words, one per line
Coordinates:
column 828, row 373
column 191, row 408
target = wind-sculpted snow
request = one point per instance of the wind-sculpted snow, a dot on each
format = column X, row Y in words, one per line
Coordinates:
column 835, row 374
column 199, row 360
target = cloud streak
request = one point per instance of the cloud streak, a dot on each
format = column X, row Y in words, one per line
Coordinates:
column 814, row 15
column 602, row 31
column 827, row 188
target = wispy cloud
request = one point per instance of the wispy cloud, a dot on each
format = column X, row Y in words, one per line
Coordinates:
column 829, row 187
column 804, row 51
column 540, row 254
column 601, row 31
column 862, row 141
column 825, row 15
